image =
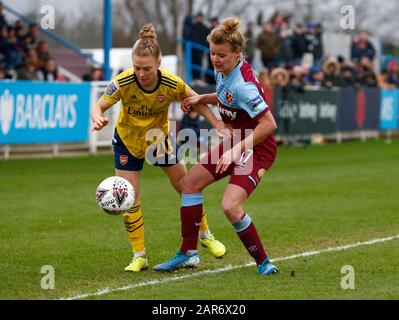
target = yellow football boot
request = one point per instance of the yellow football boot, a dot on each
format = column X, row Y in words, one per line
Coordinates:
column 215, row 247
column 137, row 264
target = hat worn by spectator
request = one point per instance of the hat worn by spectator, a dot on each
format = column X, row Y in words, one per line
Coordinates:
column 328, row 63
column 279, row 71
column 310, row 25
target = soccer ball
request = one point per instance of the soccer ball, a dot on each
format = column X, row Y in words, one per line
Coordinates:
column 115, row 195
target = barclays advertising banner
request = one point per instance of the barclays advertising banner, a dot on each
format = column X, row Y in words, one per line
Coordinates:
column 389, row 115
column 41, row 112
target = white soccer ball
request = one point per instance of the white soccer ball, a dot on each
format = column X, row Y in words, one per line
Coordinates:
column 115, row 195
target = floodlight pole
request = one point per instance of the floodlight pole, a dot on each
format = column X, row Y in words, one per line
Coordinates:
column 107, row 38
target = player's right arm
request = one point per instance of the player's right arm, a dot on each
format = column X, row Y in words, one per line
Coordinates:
column 111, row 96
column 98, row 119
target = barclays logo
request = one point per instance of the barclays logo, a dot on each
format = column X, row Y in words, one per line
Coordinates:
column 36, row 111
column 6, row 111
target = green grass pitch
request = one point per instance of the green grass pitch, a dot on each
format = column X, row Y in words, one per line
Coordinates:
column 312, row 199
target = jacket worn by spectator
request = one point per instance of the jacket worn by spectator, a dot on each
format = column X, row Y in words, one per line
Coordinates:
column 269, row 43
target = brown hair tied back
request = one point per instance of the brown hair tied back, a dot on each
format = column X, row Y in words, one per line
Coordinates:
column 228, row 32
column 148, row 44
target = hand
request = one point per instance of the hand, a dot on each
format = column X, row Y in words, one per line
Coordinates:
column 100, row 123
column 224, row 130
column 187, row 102
column 227, row 159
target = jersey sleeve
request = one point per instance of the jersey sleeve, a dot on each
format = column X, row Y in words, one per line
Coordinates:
column 182, row 89
column 251, row 100
column 112, row 93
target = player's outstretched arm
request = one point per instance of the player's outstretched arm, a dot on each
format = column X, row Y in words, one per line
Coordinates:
column 199, row 104
column 97, row 114
column 194, row 99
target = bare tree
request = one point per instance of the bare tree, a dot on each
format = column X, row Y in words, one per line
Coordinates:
column 166, row 17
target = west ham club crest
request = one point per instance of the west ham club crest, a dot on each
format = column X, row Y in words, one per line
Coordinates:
column 229, row 97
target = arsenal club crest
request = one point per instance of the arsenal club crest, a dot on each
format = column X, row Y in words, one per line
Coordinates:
column 161, row 98
column 229, row 97
column 123, row 159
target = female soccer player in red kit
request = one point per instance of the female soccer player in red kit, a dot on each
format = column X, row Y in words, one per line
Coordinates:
column 241, row 103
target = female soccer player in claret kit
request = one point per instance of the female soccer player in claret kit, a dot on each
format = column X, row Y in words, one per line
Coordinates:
column 146, row 92
column 242, row 106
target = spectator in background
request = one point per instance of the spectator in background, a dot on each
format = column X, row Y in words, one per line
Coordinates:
column 210, row 78
column 347, row 77
column 341, row 61
column 316, row 76
column 279, row 77
column 365, row 76
column 298, row 78
column 18, row 23
column 331, row 69
column 43, row 53
column 314, row 44
column 319, row 51
column 3, row 43
column 191, row 121
column 31, row 56
column 187, row 31
column 393, row 73
column 250, row 46
column 20, row 37
column 4, row 73
column 269, row 43
column 383, row 81
column 32, row 33
column 265, row 83
column 11, row 54
column 199, row 31
column 3, row 21
column 96, row 74
column 49, row 72
column 285, row 56
column 27, row 71
column 298, row 44
column 362, row 47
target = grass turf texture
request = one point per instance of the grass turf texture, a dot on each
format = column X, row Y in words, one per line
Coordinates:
column 313, row 198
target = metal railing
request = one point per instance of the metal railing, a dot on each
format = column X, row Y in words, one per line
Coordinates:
column 188, row 47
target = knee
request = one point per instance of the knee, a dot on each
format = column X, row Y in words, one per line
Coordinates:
column 188, row 186
column 231, row 209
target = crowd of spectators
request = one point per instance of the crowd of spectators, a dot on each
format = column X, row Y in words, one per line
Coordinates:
column 293, row 56
column 22, row 55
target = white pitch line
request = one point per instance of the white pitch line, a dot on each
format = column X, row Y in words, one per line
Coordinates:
column 228, row 268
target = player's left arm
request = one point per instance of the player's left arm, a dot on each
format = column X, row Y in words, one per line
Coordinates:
column 254, row 104
column 266, row 126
